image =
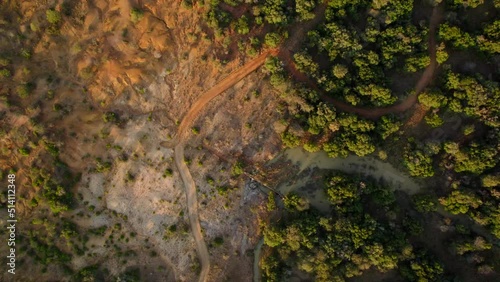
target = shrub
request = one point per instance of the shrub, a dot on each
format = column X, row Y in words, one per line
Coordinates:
column 433, row 120
column 129, row 177
column 168, row 173
column 218, row 241
column 110, row 117
column 237, row 169
column 424, row 203
column 24, row 151
column 25, row 53
column 4, row 62
column 5, row 73
column 136, row 15
column 53, row 16
column 271, row 202
column 23, row 91
column 102, row 166
column 210, row 181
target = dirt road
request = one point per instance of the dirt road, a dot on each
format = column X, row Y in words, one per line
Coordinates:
column 220, row 87
column 375, row 113
column 192, row 204
column 189, row 184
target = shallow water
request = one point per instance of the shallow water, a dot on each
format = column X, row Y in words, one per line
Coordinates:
column 365, row 166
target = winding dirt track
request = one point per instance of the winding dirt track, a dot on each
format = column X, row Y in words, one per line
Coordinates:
column 220, row 87
column 192, row 205
column 192, row 201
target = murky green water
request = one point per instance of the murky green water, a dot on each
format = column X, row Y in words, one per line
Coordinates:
column 365, row 166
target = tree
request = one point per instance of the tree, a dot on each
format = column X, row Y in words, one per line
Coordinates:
column 273, row 65
column 433, row 99
column 422, row 268
column 476, row 97
column 272, row 39
column 418, row 163
column 489, row 41
column 360, row 144
column 241, row 25
column 340, row 189
column 395, row 10
column 289, row 139
column 468, row 3
column 475, row 158
column 340, row 71
column 460, row 202
column 424, row 203
column 274, row 11
column 273, row 237
column 416, row 63
column 477, row 245
column 380, row 96
column 388, row 125
column 352, row 123
column 304, row 9
column 399, row 40
column 338, row 41
column 305, row 63
column 320, row 120
column 311, row 147
column 336, row 148
column 441, row 54
column 457, row 37
column 217, row 18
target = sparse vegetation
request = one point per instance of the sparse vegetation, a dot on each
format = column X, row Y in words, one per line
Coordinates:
column 136, row 15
